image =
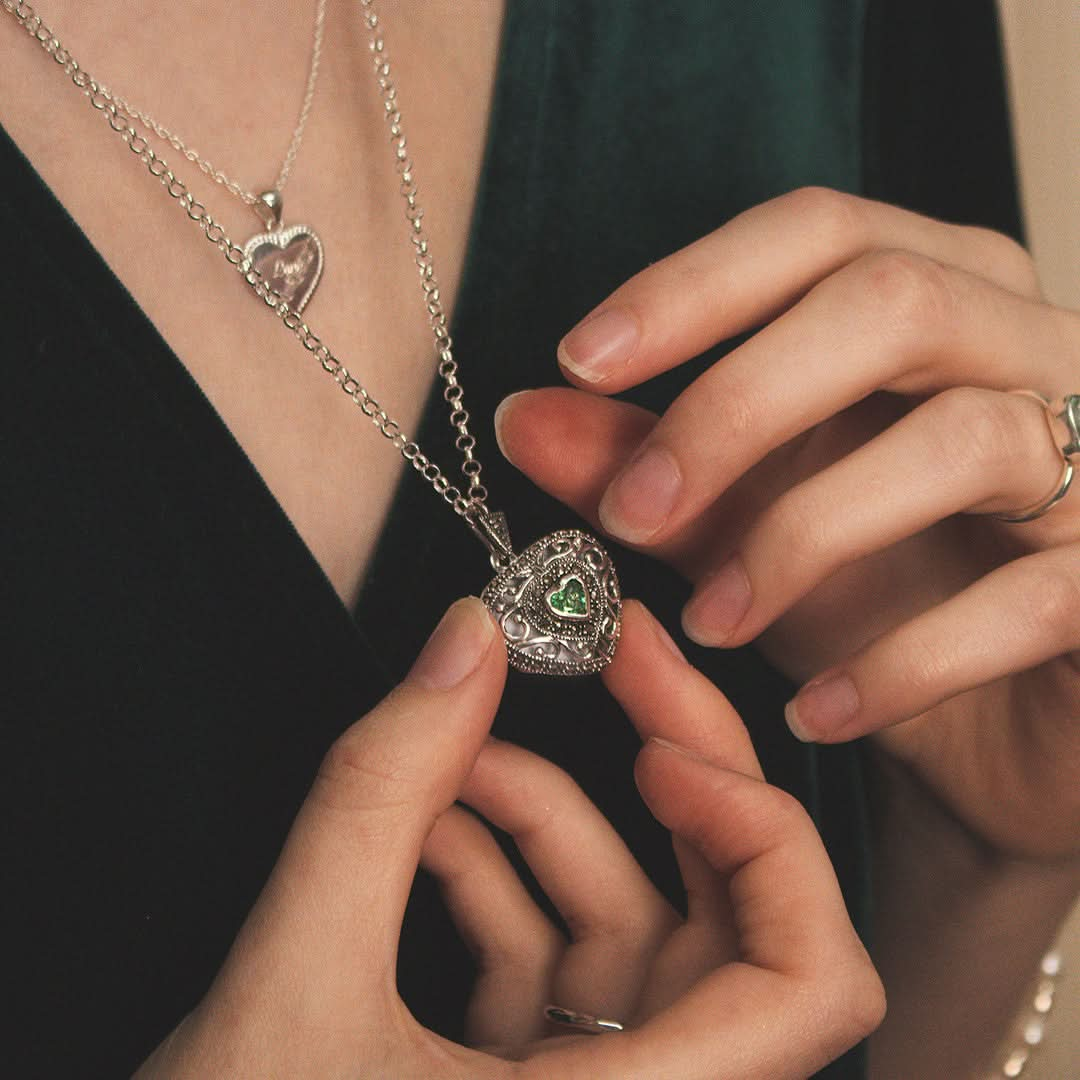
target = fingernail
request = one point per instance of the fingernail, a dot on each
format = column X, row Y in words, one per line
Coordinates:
column 501, row 414
column 822, row 707
column 719, row 604
column 641, row 497
column 595, row 349
column 455, row 649
column 675, row 748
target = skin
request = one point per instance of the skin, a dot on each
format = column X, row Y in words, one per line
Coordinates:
column 849, row 457
column 764, row 978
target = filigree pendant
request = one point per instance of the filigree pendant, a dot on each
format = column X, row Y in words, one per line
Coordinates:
column 557, row 602
column 290, row 260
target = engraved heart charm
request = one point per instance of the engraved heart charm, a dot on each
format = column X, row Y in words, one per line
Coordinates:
column 290, row 261
column 559, row 605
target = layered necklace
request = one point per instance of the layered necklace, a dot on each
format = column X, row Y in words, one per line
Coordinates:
column 290, row 260
column 557, row 601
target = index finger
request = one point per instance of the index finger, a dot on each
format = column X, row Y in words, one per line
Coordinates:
column 756, row 266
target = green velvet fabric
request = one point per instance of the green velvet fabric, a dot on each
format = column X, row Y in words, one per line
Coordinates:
column 176, row 663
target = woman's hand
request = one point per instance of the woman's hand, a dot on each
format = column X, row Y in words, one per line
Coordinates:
column 827, row 486
column 764, row 978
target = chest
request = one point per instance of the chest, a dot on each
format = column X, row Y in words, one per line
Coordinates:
column 319, row 455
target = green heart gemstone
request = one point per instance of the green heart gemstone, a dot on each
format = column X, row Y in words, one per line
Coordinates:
column 571, row 599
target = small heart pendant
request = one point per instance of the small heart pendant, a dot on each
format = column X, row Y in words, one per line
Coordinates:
column 290, row 261
column 559, row 605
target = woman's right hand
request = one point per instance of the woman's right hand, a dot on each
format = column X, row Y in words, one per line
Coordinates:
column 765, row 977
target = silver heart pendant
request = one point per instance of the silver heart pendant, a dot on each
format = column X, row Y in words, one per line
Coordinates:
column 290, row 261
column 559, row 605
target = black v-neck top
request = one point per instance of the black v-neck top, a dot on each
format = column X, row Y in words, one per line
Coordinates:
column 175, row 663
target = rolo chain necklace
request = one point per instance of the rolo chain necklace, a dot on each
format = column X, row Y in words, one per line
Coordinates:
column 558, row 601
column 290, row 260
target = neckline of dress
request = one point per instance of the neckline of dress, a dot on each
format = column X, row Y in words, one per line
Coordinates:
column 29, row 197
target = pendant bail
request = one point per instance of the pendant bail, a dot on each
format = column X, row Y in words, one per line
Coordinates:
column 268, row 206
column 491, row 528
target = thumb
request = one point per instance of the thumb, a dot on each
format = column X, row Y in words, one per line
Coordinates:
column 326, row 926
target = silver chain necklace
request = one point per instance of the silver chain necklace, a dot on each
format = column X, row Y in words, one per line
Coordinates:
column 247, row 197
column 558, row 602
column 291, row 259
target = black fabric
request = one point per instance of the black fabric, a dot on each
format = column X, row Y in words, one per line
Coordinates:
column 176, row 663
column 937, row 112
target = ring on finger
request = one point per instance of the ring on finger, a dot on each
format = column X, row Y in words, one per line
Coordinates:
column 581, row 1021
column 1070, row 417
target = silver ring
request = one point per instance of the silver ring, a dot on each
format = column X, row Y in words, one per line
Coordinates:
column 580, row 1021
column 1070, row 417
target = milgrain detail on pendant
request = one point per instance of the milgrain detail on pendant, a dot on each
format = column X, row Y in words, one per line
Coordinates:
column 559, row 605
column 290, row 261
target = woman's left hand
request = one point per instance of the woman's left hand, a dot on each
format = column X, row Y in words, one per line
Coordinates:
column 829, row 486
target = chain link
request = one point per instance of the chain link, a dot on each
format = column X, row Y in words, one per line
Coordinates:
column 414, row 214
column 467, row 505
column 217, row 175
